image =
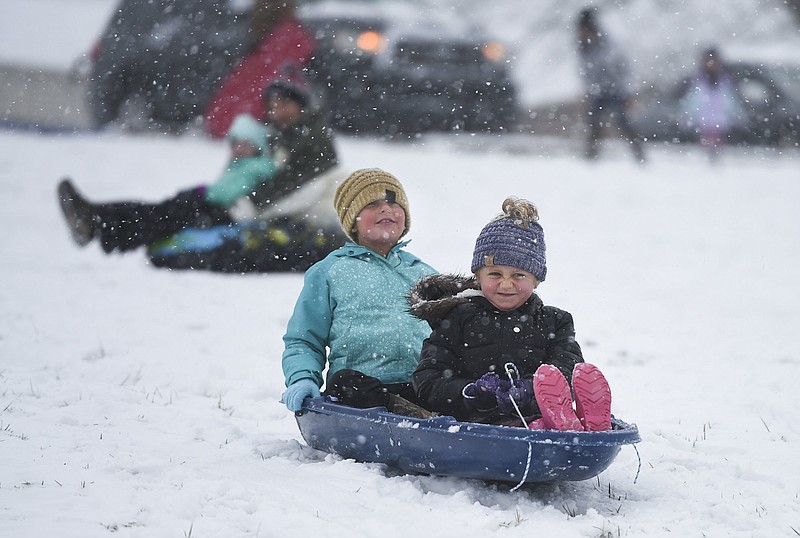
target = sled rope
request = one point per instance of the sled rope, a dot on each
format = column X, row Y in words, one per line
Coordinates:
column 527, row 468
column 511, row 367
column 639, row 468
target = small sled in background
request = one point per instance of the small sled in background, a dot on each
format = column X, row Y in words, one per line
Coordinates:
column 445, row 447
column 283, row 244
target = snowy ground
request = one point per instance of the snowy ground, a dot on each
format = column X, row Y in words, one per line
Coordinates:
column 143, row 402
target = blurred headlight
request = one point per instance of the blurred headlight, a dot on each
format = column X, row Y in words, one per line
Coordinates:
column 493, row 51
column 371, row 41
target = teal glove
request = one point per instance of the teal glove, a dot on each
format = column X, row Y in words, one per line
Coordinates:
column 298, row 391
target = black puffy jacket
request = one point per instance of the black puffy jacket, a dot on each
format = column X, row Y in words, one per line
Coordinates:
column 471, row 337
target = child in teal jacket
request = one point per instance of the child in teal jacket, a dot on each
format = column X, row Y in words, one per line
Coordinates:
column 351, row 315
column 249, row 164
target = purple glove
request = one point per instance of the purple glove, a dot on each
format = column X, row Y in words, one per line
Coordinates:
column 488, row 383
column 521, row 391
column 480, row 395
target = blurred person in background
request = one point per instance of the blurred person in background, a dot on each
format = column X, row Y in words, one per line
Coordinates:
column 287, row 166
column 302, row 144
column 605, row 72
column 710, row 102
column 276, row 44
column 125, row 225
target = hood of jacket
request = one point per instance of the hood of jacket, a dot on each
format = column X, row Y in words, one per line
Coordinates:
column 432, row 297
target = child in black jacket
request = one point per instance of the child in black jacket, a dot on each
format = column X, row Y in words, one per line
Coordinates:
column 497, row 354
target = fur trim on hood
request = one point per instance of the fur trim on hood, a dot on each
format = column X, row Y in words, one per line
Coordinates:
column 434, row 296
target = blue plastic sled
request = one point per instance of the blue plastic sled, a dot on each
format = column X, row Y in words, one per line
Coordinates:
column 443, row 446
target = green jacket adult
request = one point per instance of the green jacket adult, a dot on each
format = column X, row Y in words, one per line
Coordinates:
column 353, row 303
column 301, row 152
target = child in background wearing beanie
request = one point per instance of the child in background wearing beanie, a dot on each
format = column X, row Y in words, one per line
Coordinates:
column 126, row 225
column 496, row 353
column 351, row 316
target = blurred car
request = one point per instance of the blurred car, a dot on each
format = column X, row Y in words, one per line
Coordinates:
column 375, row 74
column 164, row 58
column 377, row 69
column 769, row 102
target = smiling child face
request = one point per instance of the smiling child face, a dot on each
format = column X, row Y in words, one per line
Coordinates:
column 379, row 225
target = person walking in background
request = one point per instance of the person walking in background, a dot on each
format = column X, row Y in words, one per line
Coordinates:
column 605, row 72
column 710, row 102
column 351, row 318
column 497, row 354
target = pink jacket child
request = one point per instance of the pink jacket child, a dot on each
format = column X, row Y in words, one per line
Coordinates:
column 711, row 104
column 286, row 47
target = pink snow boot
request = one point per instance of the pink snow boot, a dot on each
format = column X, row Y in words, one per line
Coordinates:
column 555, row 399
column 537, row 424
column 592, row 397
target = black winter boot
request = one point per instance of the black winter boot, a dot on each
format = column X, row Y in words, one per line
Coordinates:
column 78, row 212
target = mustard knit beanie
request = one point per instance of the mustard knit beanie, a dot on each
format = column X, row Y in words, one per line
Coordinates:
column 363, row 187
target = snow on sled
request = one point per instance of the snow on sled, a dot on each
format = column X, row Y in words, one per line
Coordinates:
column 443, row 446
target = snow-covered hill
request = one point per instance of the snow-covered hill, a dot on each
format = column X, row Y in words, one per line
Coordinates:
column 138, row 402
column 142, row 402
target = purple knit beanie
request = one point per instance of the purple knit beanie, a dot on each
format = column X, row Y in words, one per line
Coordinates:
column 513, row 238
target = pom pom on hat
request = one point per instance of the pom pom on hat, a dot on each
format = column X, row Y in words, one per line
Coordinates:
column 514, row 239
column 363, row 187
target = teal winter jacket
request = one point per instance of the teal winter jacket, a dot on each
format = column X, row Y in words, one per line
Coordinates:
column 243, row 174
column 240, row 178
column 352, row 313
